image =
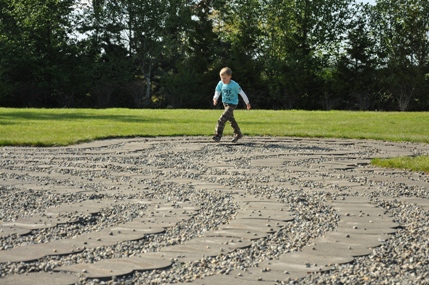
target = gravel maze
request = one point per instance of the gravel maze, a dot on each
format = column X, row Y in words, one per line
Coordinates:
column 184, row 210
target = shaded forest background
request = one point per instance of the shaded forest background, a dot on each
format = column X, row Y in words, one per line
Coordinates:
column 286, row 54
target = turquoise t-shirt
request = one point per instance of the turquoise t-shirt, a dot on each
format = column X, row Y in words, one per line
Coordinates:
column 229, row 92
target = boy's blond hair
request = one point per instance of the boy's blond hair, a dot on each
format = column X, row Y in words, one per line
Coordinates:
column 226, row 70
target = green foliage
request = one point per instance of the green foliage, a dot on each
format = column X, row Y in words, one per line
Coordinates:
column 402, row 28
column 35, row 34
column 178, row 93
column 286, row 54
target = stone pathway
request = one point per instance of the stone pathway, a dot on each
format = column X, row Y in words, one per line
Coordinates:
column 186, row 210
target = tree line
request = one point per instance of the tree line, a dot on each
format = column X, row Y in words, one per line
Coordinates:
column 286, row 54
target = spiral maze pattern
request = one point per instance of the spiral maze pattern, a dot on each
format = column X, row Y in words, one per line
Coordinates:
column 183, row 210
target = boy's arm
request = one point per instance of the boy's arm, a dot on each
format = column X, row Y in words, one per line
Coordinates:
column 246, row 100
column 216, row 97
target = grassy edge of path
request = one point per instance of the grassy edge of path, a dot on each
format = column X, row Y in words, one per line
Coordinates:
column 62, row 127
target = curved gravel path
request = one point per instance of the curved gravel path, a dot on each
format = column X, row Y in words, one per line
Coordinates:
column 184, row 210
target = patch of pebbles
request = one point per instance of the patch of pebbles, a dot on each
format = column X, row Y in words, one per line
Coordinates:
column 132, row 179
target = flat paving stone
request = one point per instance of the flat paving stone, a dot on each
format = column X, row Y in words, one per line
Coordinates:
column 84, row 207
column 424, row 203
column 296, row 266
column 239, row 233
column 205, row 246
column 120, row 266
column 325, row 247
column 37, row 251
column 45, row 278
column 135, row 230
column 120, row 195
column 269, row 162
column 12, row 230
column 33, row 222
column 230, row 279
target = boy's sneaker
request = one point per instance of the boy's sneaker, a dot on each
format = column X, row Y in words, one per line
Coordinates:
column 216, row 138
column 237, row 137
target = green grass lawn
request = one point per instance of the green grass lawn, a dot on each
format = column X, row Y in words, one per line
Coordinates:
column 60, row 127
column 49, row 127
column 418, row 163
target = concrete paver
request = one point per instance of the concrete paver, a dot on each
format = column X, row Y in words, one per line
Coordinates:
column 361, row 225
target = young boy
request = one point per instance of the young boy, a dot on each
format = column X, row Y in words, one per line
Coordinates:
column 229, row 89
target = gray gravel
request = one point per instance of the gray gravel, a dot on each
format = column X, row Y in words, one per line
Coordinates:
column 309, row 174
